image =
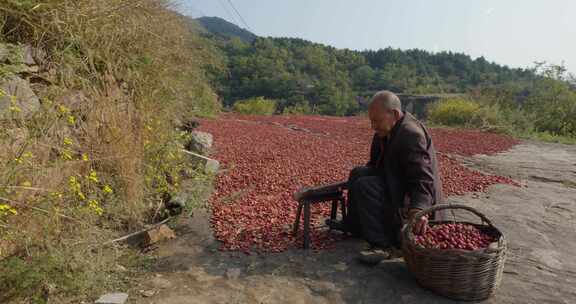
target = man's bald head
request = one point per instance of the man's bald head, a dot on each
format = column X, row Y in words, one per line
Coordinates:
column 384, row 111
column 386, row 100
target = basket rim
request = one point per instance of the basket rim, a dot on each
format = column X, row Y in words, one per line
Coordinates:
column 409, row 241
column 482, row 252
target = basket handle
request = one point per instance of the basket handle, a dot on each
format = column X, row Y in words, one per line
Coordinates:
column 430, row 210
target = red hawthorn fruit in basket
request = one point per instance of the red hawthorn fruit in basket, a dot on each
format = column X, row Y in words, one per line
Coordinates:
column 454, row 236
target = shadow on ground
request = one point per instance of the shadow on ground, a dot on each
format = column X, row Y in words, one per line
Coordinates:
column 196, row 271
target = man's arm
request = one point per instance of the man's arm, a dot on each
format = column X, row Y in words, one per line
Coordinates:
column 416, row 162
column 374, row 152
column 422, row 223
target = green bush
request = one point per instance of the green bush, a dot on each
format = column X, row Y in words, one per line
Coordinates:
column 544, row 110
column 548, row 137
column 553, row 104
column 255, row 106
column 481, row 114
column 298, row 109
column 454, row 112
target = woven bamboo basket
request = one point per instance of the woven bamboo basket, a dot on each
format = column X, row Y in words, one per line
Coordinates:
column 466, row 275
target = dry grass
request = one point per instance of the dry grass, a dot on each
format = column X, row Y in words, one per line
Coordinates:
column 102, row 150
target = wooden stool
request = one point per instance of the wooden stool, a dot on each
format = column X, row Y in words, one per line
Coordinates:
column 331, row 193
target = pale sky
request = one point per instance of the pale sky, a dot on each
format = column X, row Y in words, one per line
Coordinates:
column 510, row 32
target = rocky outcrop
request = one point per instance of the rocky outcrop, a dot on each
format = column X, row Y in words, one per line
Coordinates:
column 209, row 165
column 187, row 125
column 200, row 142
column 19, row 59
column 113, row 298
column 17, row 98
column 193, row 191
column 157, row 235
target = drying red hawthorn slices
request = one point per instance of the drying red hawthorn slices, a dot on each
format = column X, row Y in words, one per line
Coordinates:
column 268, row 158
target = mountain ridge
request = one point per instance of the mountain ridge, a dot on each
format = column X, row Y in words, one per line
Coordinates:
column 224, row 29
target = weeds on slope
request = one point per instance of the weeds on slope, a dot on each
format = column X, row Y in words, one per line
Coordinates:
column 101, row 149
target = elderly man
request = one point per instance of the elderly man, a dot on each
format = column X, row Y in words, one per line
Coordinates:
column 400, row 179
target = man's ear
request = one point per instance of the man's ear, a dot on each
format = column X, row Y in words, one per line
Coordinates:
column 397, row 114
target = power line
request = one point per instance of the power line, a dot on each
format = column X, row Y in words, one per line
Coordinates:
column 201, row 12
column 238, row 13
column 197, row 10
column 230, row 15
column 188, row 8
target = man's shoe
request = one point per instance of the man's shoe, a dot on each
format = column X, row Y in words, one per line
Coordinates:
column 340, row 226
column 375, row 255
column 336, row 225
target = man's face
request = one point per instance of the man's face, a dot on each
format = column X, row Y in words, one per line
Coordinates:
column 382, row 120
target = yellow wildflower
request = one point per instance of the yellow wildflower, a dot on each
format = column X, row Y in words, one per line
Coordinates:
column 26, row 184
column 71, row 119
column 5, row 209
column 74, row 184
column 14, row 105
column 63, row 109
column 66, row 155
column 56, row 194
column 107, row 189
column 67, row 141
column 93, row 177
column 95, row 206
column 85, row 157
column 15, row 109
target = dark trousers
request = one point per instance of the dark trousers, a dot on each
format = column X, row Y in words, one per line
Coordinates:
column 370, row 213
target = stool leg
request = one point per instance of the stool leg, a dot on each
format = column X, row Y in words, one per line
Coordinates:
column 334, row 210
column 343, row 209
column 297, row 220
column 306, row 225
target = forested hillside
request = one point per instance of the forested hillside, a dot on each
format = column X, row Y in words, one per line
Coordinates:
column 299, row 72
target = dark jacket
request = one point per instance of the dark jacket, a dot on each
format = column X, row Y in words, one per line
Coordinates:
column 408, row 164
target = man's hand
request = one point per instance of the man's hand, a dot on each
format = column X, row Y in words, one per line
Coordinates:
column 421, row 223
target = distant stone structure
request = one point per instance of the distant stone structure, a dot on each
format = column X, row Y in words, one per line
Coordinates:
column 415, row 104
column 418, row 104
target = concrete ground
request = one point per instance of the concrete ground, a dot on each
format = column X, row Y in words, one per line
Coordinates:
column 538, row 219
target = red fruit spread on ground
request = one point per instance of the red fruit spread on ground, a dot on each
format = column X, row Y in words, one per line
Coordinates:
column 268, row 158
